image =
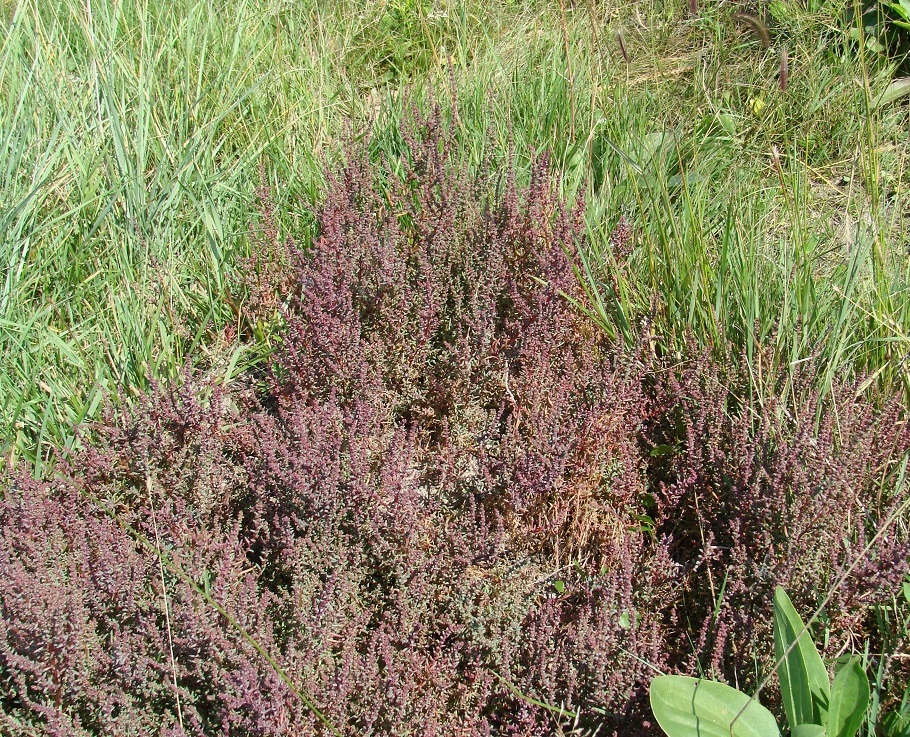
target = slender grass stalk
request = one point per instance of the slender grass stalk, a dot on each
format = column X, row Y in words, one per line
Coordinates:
column 167, row 610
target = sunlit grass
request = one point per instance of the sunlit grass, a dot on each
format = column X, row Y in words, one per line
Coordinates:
column 132, row 136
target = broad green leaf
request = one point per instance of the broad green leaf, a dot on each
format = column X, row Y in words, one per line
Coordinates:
column 849, row 700
column 694, row 707
column 897, row 89
column 804, row 686
column 902, row 8
column 808, row 730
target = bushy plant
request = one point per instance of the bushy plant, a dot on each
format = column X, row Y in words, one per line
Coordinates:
column 453, row 504
column 775, row 492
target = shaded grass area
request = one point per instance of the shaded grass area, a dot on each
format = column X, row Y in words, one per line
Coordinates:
column 135, row 136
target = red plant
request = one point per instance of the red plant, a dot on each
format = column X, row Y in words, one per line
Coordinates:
column 447, row 499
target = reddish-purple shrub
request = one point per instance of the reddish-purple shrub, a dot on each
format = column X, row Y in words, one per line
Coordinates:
column 767, row 493
column 447, row 494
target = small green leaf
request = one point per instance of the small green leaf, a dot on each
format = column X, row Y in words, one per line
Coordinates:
column 624, row 622
column 779, row 10
column 728, row 123
column 808, row 730
column 693, row 707
column 906, row 589
column 560, row 586
column 804, row 686
column 849, row 700
column 661, row 450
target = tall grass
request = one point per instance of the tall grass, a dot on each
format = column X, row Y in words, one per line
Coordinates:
column 767, row 221
column 131, row 137
column 133, row 134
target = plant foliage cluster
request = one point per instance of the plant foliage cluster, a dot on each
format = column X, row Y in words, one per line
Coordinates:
column 814, row 707
column 450, row 507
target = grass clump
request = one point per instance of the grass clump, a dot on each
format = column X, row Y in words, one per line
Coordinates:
column 135, row 134
column 132, row 138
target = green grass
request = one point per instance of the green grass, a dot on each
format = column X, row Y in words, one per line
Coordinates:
column 132, row 138
column 133, row 134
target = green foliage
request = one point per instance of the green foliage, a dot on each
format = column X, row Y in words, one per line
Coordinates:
column 803, row 677
column 896, row 724
column 808, row 730
column 884, row 28
column 400, row 40
column 896, row 90
column 695, row 707
column 849, row 700
column 133, row 138
column 901, row 9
